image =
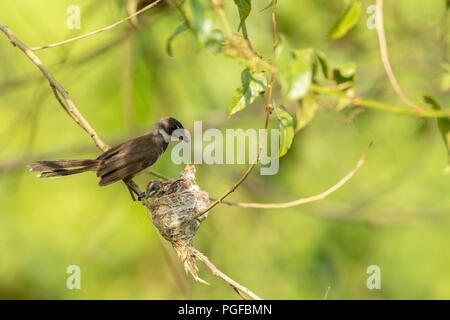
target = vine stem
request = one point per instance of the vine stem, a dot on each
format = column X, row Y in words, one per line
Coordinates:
column 219, row 10
column 238, row 288
column 57, row 89
column 99, row 30
column 364, row 102
column 301, row 201
column 385, row 57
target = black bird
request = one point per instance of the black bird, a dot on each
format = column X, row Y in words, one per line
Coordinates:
column 121, row 162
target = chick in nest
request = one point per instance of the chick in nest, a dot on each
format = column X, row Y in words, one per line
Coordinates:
column 175, row 205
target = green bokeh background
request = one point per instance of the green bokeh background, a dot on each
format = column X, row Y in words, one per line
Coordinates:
column 394, row 213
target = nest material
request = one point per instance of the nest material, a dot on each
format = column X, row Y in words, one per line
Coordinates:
column 173, row 209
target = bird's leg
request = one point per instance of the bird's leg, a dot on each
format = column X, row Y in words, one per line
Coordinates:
column 133, row 187
column 131, row 193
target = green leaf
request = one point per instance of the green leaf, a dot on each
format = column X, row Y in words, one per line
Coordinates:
column 286, row 129
column 200, row 14
column 252, row 86
column 344, row 76
column 306, row 110
column 295, row 70
column 345, row 72
column 347, row 21
column 324, row 64
column 443, row 124
column 244, row 7
column 346, row 101
column 181, row 28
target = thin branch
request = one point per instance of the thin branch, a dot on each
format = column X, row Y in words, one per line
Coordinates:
column 223, row 276
column 71, row 109
column 31, row 77
column 159, row 175
column 363, row 102
column 99, row 30
column 239, row 293
column 274, row 31
column 385, row 57
column 298, row 202
column 274, row 47
column 219, row 10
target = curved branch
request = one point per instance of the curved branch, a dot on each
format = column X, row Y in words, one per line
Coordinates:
column 223, row 276
column 70, row 108
column 385, row 57
column 99, row 30
column 298, row 202
column 363, row 102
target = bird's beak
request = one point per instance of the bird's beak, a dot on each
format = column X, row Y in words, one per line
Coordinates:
column 182, row 134
column 185, row 138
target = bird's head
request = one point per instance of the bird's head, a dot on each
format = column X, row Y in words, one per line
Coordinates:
column 170, row 127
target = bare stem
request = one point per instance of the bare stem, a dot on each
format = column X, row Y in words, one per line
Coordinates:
column 70, row 107
column 238, row 287
column 363, row 102
column 300, row 201
column 219, row 10
column 385, row 57
column 99, row 30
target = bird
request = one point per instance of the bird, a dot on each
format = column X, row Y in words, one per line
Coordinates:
column 121, row 162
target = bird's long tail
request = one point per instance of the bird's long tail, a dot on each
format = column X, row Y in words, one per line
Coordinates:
column 59, row 168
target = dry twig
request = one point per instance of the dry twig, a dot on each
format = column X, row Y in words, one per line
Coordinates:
column 227, row 279
column 71, row 109
column 385, row 57
column 298, row 202
column 99, row 30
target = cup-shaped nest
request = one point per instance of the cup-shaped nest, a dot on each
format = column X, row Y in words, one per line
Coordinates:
column 174, row 208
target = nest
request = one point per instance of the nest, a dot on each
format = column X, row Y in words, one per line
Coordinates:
column 174, row 208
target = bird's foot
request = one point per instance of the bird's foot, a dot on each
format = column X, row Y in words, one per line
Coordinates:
column 142, row 196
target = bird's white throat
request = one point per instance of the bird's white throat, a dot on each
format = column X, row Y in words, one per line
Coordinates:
column 165, row 136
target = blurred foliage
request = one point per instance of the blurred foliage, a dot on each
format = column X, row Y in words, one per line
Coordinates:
column 348, row 20
column 394, row 213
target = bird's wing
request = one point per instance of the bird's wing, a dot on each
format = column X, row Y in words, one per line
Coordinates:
column 136, row 144
column 127, row 170
column 128, row 159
